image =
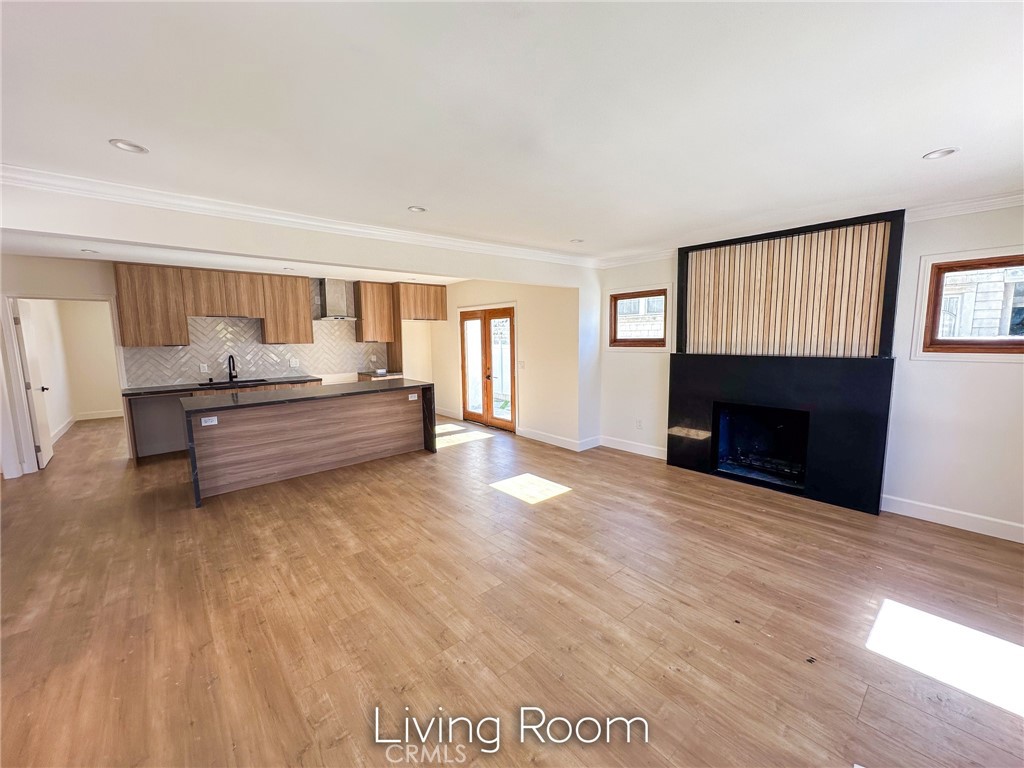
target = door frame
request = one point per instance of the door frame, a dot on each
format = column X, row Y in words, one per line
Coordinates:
column 508, row 305
column 14, row 371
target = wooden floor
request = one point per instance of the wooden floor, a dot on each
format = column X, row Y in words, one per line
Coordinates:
column 264, row 628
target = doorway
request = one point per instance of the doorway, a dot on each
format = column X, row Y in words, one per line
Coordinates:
column 68, row 363
column 488, row 367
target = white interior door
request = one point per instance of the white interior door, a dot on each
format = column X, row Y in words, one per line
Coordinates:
column 28, row 347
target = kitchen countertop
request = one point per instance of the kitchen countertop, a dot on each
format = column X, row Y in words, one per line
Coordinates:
column 170, row 389
column 251, row 399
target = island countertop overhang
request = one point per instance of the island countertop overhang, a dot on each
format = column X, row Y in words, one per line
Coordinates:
column 192, row 405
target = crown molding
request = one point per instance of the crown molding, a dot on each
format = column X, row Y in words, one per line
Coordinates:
column 46, row 181
column 978, row 205
column 610, row 262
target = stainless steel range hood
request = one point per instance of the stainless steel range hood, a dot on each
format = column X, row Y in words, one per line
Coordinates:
column 337, row 300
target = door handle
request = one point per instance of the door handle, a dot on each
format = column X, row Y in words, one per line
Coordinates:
column 44, row 389
column 488, row 377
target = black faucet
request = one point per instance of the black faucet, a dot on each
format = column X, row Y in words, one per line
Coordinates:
column 232, row 373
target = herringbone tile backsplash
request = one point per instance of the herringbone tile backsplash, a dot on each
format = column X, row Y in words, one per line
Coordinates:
column 334, row 350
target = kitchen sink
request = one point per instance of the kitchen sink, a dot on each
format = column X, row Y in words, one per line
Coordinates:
column 229, row 384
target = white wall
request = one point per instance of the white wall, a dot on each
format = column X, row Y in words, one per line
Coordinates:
column 41, row 328
column 88, row 335
column 547, row 341
column 10, row 458
column 956, row 432
column 417, row 350
column 31, row 276
column 634, row 382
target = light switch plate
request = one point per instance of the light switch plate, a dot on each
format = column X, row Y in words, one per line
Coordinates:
column 294, row 362
column 204, row 368
column 414, row 396
column 208, row 421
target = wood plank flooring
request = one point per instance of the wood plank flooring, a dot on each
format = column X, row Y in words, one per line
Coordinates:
column 264, row 628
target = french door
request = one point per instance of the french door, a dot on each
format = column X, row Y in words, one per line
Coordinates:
column 488, row 367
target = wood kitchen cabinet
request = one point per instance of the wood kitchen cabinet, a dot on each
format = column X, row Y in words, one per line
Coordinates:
column 214, row 293
column 287, row 310
column 374, row 312
column 243, row 292
column 417, row 301
column 205, row 293
column 150, row 306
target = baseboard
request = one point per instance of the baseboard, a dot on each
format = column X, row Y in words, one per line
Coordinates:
column 99, row 415
column 557, row 440
column 968, row 521
column 58, row 433
column 628, row 445
column 446, row 412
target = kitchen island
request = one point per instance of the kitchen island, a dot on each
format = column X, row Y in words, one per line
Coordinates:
column 251, row 438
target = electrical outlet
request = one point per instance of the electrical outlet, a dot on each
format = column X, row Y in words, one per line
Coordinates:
column 204, row 368
column 414, row 397
column 294, row 362
column 639, row 423
column 522, row 365
column 373, row 359
column 208, row 421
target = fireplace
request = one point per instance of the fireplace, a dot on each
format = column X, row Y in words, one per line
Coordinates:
column 759, row 444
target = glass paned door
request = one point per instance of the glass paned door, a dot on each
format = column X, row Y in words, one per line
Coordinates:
column 488, row 367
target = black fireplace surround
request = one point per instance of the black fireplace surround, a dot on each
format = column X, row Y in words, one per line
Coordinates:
column 845, row 402
column 811, row 426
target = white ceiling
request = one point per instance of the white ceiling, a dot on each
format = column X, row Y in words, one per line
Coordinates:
column 636, row 127
column 58, row 246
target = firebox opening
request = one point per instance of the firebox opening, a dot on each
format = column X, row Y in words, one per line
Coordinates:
column 767, row 445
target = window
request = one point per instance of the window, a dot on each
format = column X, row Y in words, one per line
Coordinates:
column 638, row 319
column 976, row 306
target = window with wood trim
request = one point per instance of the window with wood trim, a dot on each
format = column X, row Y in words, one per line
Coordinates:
column 976, row 305
column 638, row 319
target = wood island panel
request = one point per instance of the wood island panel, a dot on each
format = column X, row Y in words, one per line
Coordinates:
column 263, row 444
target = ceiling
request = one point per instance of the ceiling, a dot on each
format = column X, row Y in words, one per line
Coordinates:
column 58, row 246
column 634, row 127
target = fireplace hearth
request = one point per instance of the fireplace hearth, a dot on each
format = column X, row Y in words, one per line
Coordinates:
column 759, row 444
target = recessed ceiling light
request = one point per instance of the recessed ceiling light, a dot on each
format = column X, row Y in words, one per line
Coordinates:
column 417, row 209
column 576, row 240
column 288, row 269
column 89, row 250
column 129, row 146
column 935, row 154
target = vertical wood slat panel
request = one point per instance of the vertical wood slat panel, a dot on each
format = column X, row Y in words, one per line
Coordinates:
column 814, row 294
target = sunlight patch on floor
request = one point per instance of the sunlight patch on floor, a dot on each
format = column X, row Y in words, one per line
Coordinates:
column 530, row 488
column 975, row 662
column 447, row 441
column 442, row 429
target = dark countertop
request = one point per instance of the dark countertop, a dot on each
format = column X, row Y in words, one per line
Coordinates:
column 251, row 399
column 170, row 389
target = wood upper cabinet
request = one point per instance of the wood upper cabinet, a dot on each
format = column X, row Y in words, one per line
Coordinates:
column 213, row 293
column 287, row 310
column 243, row 293
column 374, row 312
column 418, row 301
column 205, row 293
column 150, row 306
